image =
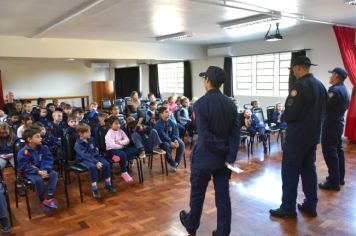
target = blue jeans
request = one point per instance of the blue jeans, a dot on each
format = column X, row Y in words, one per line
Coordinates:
column 125, row 155
column 179, row 152
column 91, row 166
column 147, row 142
column 3, row 203
column 39, row 183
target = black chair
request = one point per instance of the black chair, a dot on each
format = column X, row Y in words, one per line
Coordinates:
column 259, row 113
column 105, row 104
column 20, row 180
column 248, row 106
column 127, row 99
column 6, row 193
column 101, row 145
column 70, row 165
column 121, row 104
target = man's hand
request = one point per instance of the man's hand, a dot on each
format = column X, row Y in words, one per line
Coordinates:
column 99, row 165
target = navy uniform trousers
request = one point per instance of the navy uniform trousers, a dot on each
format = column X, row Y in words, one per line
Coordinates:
column 333, row 152
column 298, row 160
column 199, row 180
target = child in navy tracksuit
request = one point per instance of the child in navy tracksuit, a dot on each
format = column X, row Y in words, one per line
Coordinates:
column 72, row 122
column 53, row 143
column 7, row 138
column 88, row 156
column 35, row 162
column 252, row 125
column 277, row 116
column 168, row 132
column 92, row 114
column 100, row 124
column 43, row 116
column 152, row 114
column 56, row 127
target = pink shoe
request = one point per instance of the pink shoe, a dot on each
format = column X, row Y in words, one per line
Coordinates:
column 127, row 178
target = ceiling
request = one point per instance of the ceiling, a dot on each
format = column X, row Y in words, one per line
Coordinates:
column 143, row 20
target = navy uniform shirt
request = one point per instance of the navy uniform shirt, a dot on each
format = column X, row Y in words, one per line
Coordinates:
column 218, row 131
column 167, row 130
column 305, row 110
column 336, row 106
column 86, row 151
column 31, row 160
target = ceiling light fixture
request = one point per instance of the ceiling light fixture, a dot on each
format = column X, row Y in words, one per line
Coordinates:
column 180, row 35
column 273, row 37
column 251, row 20
column 350, row 2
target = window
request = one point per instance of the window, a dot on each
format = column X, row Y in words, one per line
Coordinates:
column 262, row 75
column 171, row 77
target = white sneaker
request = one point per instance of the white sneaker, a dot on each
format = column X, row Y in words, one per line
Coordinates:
column 159, row 151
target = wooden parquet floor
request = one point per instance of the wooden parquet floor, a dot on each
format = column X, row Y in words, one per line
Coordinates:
column 152, row 208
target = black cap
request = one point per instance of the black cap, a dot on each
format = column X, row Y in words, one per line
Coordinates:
column 339, row 71
column 302, row 61
column 215, row 74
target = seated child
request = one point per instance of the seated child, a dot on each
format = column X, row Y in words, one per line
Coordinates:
column 152, row 114
column 50, row 109
column 26, row 123
column 67, row 110
column 255, row 104
column 92, row 114
column 115, row 111
column 7, row 139
column 184, row 117
column 53, row 143
column 41, row 103
column 56, row 127
column 101, row 123
column 35, row 162
column 277, row 116
column 42, row 118
column 27, row 109
column 151, row 98
column 117, row 145
column 168, row 132
column 18, row 107
column 88, row 156
column 72, row 122
column 172, row 106
column 79, row 113
column 252, row 125
column 146, row 139
column 13, row 119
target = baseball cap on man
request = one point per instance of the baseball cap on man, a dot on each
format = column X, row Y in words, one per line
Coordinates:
column 302, row 61
column 339, row 71
column 215, row 74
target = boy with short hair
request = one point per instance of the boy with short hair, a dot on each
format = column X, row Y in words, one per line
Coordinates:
column 169, row 135
column 56, row 126
column 88, row 156
column 35, row 162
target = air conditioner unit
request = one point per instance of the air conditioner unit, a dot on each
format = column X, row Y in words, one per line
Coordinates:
column 100, row 65
column 221, row 51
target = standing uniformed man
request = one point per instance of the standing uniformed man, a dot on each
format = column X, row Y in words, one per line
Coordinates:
column 217, row 146
column 333, row 127
column 305, row 108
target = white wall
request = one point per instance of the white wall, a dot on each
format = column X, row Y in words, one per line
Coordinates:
column 49, row 77
column 324, row 52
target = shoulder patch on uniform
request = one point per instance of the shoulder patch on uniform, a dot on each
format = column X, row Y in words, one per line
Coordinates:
column 27, row 152
column 293, row 93
column 331, row 94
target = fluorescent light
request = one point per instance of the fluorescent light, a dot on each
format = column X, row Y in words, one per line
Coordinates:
column 350, row 2
column 180, row 35
column 69, row 59
column 251, row 20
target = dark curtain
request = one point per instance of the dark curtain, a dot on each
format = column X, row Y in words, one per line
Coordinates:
column 346, row 41
column 153, row 83
column 188, row 92
column 292, row 78
column 2, row 102
column 126, row 81
column 228, row 88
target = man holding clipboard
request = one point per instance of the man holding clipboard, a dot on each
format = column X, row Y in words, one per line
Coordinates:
column 218, row 142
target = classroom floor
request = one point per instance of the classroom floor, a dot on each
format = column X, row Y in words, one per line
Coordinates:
column 152, row 208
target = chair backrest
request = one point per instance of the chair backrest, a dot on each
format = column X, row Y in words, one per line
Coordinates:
column 248, row 106
column 100, row 139
column 105, row 104
column 68, row 145
column 127, row 99
column 121, row 104
column 270, row 111
column 17, row 146
column 260, row 116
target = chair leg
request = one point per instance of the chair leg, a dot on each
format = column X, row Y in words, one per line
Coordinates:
column 16, row 195
column 162, row 163
column 80, row 187
column 28, row 204
column 8, row 204
column 185, row 162
column 66, row 189
column 166, row 165
column 269, row 142
column 139, row 169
